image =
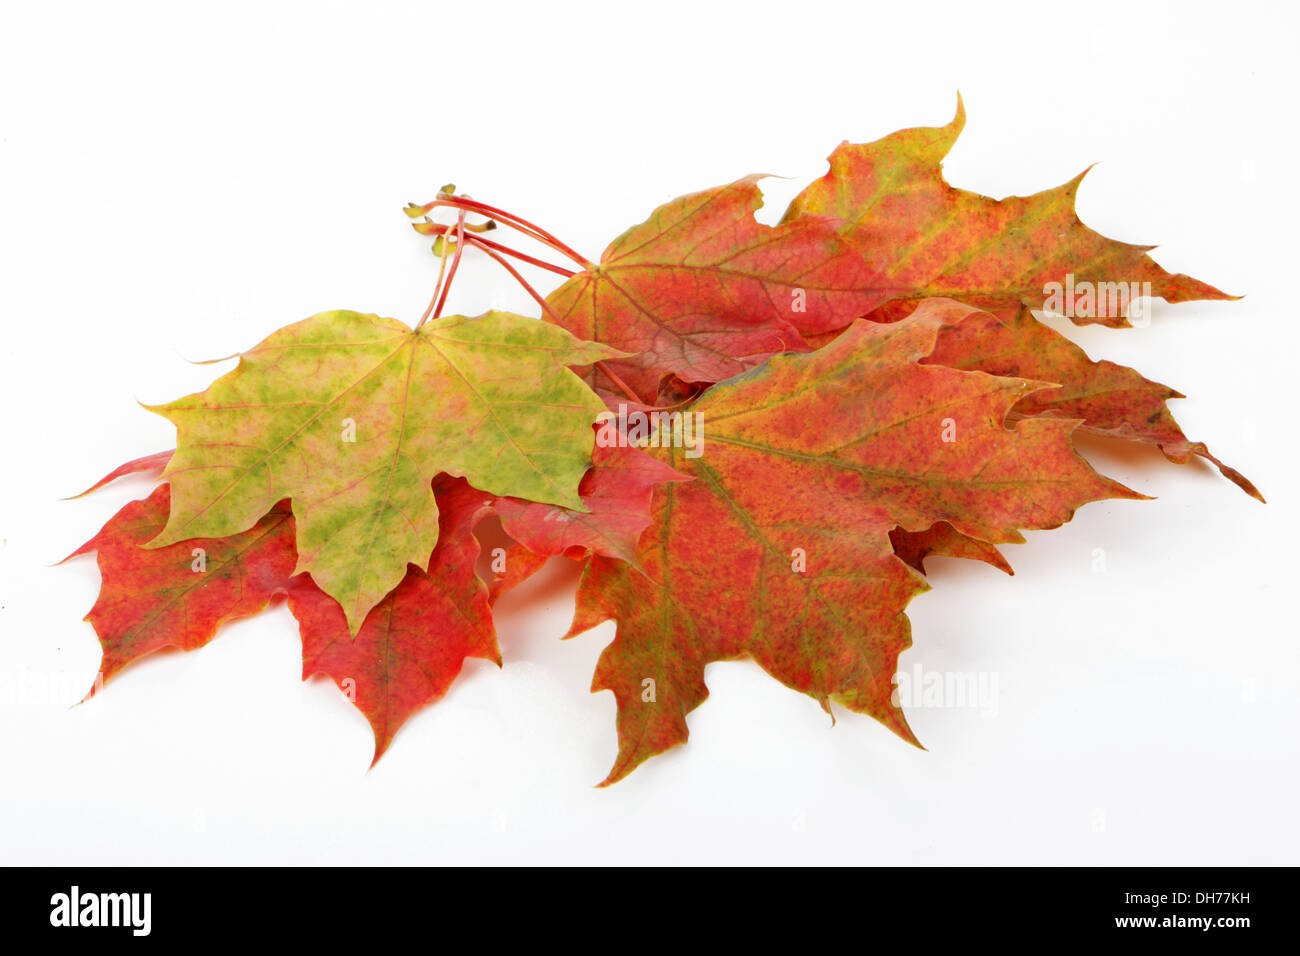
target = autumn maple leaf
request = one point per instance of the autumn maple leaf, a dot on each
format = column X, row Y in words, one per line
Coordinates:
column 350, row 416
column 895, row 208
column 703, row 291
column 780, row 547
column 409, row 650
column 930, row 239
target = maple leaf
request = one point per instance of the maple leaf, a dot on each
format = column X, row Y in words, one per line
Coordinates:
column 930, row 239
column 414, row 642
column 178, row 596
column 350, row 416
column 409, row 650
column 1110, row 399
column 780, row 548
column 702, row 290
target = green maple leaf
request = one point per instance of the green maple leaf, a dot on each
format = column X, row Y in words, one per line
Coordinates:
column 351, row 416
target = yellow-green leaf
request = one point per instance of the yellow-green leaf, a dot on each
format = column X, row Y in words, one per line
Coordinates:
column 352, row 415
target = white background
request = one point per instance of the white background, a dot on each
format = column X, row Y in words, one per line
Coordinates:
column 177, row 182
